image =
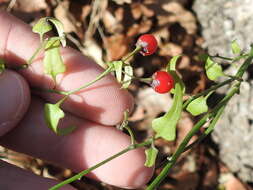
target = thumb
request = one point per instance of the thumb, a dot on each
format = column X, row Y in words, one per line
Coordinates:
column 14, row 100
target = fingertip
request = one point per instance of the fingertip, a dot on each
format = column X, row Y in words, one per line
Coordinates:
column 14, row 101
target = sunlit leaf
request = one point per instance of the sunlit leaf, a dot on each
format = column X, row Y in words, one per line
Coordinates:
column 235, row 47
column 60, row 29
column 118, row 65
column 165, row 126
column 53, row 114
column 42, row 27
column 128, row 76
column 197, row 106
column 213, row 70
column 151, row 154
column 2, row 65
column 53, row 63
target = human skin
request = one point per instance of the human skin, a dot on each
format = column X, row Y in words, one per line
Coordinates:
column 94, row 111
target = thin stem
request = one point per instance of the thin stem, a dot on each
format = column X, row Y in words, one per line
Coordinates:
column 42, row 45
column 84, row 172
column 208, row 130
column 222, row 57
column 137, row 49
column 107, row 71
column 215, row 87
column 131, row 134
column 198, row 125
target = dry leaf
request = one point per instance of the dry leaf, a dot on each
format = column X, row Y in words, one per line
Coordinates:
column 116, row 46
column 121, row 2
column 93, row 50
column 136, row 10
column 111, row 23
column 62, row 13
column 184, row 17
column 170, row 49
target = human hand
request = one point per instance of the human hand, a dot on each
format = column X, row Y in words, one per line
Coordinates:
column 22, row 125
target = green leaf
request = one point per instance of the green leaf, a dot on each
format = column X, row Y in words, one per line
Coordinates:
column 128, row 76
column 53, row 63
column 151, row 155
column 42, row 27
column 235, row 47
column 165, row 126
column 213, row 70
column 197, row 106
column 60, row 29
column 53, row 114
column 2, row 65
column 172, row 64
column 203, row 57
column 118, row 65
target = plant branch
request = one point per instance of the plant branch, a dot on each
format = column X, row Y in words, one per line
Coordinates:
column 84, row 172
column 199, row 124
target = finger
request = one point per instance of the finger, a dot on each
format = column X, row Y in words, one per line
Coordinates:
column 85, row 147
column 14, row 101
column 103, row 102
column 15, row 178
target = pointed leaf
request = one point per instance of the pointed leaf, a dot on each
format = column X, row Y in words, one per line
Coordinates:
column 235, row 47
column 60, row 29
column 118, row 65
column 2, row 65
column 53, row 63
column 165, row 126
column 53, row 114
column 197, row 106
column 213, row 70
column 151, row 155
column 128, row 76
column 42, row 27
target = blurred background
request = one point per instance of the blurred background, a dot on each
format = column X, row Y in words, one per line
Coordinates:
column 106, row 30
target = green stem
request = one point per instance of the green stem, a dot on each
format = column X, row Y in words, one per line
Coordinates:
column 208, row 130
column 42, row 46
column 213, row 88
column 136, row 50
column 84, row 172
column 198, row 125
column 222, row 57
column 130, row 132
column 107, row 71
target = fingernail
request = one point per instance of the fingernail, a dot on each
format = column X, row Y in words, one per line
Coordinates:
column 14, row 100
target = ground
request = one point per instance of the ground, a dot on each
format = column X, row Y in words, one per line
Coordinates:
column 107, row 30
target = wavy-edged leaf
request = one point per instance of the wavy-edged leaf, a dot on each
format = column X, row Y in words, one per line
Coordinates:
column 165, row 126
column 128, row 76
column 53, row 63
column 213, row 70
column 2, row 65
column 53, row 113
column 60, row 29
column 42, row 27
column 197, row 106
column 235, row 47
column 151, row 154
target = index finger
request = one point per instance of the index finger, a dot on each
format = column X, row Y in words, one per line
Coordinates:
column 103, row 102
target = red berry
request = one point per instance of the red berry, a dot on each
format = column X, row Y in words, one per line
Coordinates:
column 162, row 82
column 148, row 43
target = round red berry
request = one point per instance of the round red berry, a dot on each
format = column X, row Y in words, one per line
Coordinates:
column 148, row 43
column 162, row 82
